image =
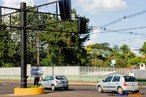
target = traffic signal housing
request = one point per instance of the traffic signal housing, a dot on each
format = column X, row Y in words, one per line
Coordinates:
column 82, row 25
column 65, row 9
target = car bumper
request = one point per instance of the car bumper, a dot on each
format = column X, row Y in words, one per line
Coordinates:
column 132, row 88
column 61, row 85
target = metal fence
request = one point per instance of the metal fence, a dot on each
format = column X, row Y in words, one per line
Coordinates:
column 77, row 73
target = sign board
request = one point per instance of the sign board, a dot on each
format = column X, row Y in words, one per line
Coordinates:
column 36, row 71
column 113, row 62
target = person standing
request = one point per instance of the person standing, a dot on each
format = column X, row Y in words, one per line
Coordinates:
column 36, row 80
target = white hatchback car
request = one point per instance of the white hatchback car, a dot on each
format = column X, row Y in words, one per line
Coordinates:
column 118, row 83
column 55, row 81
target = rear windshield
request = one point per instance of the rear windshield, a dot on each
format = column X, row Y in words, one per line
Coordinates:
column 130, row 79
column 61, row 78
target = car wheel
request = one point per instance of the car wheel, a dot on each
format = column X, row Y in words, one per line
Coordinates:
column 120, row 90
column 99, row 89
column 53, row 87
column 136, row 91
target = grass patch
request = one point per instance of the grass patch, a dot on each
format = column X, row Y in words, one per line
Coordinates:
column 34, row 86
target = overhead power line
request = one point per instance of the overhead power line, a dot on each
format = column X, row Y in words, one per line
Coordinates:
column 135, row 28
column 130, row 39
column 125, row 17
column 119, row 30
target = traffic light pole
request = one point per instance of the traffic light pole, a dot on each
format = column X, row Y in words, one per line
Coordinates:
column 0, row 17
column 65, row 15
column 23, row 45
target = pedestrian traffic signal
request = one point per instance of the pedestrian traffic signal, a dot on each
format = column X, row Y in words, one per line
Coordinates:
column 65, row 9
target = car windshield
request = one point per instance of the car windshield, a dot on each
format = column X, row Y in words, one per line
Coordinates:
column 61, row 78
column 130, row 79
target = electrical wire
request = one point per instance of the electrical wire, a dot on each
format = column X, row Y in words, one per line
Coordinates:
column 130, row 32
column 130, row 39
column 105, row 30
column 135, row 28
column 125, row 17
column 120, row 30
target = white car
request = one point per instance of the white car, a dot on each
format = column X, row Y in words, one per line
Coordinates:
column 118, row 83
column 55, row 81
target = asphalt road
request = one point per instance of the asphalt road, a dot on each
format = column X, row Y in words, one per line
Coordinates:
column 75, row 90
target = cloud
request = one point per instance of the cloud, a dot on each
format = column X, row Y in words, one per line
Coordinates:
column 96, row 6
column 16, row 3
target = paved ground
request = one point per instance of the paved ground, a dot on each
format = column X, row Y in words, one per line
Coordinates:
column 75, row 90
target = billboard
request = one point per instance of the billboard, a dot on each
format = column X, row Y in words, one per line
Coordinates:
column 36, row 71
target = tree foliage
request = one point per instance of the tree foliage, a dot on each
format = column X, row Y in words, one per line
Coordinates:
column 143, row 49
column 102, row 54
column 60, row 44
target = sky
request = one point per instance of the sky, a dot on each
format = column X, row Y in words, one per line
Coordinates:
column 102, row 12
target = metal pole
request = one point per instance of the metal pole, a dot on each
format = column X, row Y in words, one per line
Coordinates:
column 38, row 49
column 0, row 18
column 56, row 11
column 10, row 22
column 23, row 45
column 38, row 40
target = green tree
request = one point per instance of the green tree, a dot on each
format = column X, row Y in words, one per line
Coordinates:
column 7, row 48
column 99, row 54
column 63, row 43
column 136, row 60
column 142, row 50
column 125, row 49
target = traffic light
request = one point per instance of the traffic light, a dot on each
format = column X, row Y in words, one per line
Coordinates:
column 65, row 9
column 82, row 25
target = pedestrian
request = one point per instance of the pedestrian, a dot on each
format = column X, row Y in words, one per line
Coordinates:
column 36, row 80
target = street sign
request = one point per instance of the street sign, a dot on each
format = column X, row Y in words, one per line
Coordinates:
column 113, row 62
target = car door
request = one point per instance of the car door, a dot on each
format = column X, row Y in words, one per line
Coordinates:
column 115, row 83
column 106, row 84
column 48, row 81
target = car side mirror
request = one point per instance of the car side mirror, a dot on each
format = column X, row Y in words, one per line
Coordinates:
column 103, row 80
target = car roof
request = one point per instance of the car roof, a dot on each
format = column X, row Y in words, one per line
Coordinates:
column 121, row 75
column 55, row 75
